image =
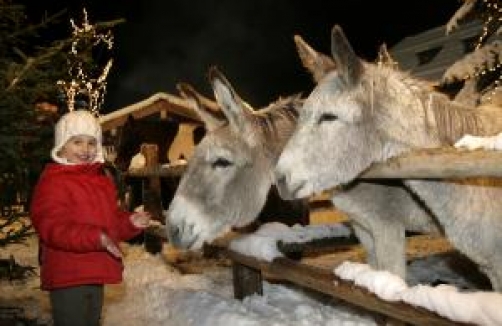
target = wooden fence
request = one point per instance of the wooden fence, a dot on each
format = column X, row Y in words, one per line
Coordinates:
column 424, row 164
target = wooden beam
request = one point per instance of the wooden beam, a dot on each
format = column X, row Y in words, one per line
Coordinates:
column 325, row 281
column 438, row 163
column 171, row 171
column 421, row 164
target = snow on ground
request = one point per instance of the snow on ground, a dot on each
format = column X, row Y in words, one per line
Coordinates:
column 155, row 292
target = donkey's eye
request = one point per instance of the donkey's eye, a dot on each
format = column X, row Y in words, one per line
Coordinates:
column 221, row 163
column 326, row 117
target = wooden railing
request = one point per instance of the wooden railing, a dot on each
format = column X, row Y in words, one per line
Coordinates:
column 248, row 271
column 438, row 163
column 423, row 164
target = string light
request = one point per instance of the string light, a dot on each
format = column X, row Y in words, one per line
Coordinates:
column 491, row 23
column 82, row 83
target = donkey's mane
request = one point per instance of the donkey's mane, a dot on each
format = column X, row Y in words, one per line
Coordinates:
column 277, row 121
column 452, row 119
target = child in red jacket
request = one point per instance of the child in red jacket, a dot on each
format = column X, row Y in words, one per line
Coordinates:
column 75, row 213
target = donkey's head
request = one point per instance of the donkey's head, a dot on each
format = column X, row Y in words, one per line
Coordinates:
column 336, row 137
column 229, row 175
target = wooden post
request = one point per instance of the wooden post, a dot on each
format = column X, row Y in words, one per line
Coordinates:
column 246, row 280
column 151, row 185
column 152, row 199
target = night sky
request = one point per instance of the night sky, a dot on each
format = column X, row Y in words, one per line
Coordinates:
column 165, row 42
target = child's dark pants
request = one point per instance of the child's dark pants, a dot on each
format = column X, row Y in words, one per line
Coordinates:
column 77, row 306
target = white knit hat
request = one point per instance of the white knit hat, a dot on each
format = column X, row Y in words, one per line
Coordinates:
column 75, row 123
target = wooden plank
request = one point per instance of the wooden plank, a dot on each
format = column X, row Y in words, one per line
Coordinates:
column 438, row 163
column 318, row 245
column 423, row 164
column 325, row 281
column 159, row 171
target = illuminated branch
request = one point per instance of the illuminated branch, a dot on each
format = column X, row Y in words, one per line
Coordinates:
column 45, row 56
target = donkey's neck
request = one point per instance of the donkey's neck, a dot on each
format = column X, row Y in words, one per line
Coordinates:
column 414, row 105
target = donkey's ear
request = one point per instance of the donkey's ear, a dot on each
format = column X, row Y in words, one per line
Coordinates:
column 235, row 109
column 384, row 57
column 346, row 60
column 318, row 64
column 186, row 89
column 208, row 115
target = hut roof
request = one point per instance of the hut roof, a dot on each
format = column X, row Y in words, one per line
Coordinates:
column 162, row 103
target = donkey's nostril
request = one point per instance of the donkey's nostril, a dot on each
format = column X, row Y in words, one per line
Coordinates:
column 173, row 234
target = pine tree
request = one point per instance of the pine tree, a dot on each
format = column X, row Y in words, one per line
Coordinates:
column 28, row 70
column 480, row 71
column 31, row 64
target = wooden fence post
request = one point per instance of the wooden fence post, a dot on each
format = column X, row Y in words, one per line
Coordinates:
column 152, row 198
column 246, row 280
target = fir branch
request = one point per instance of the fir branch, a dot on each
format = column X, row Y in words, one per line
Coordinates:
column 33, row 28
column 486, row 57
column 46, row 54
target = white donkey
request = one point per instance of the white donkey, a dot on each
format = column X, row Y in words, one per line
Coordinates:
column 361, row 113
column 231, row 171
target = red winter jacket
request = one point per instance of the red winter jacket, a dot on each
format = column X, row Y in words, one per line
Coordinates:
column 71, row 205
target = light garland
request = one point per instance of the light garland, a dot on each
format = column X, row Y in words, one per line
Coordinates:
column 492, row 22
column 81, row 83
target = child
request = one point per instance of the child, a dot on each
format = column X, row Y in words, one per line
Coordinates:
column 75, row 213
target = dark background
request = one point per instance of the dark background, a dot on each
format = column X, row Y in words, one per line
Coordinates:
column 164, row 42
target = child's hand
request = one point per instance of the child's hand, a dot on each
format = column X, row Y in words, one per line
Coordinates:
column 141, row 220
column 109, row 245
